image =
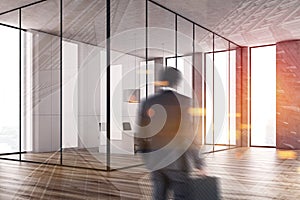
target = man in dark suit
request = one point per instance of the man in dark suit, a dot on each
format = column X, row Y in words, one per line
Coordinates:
column 167, row 138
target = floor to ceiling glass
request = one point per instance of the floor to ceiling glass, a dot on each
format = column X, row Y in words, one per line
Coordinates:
column 184, row 61
column 220, row 95
column 84, row 84
column 131, row 80
column 203, row 86
column 263, row 96
column 42, row 97
column 61, row 93
column 9, row 89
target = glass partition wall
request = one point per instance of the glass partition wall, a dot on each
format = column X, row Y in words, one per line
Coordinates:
column 130, row 75
column 84, row 84
column 216, row 96
column 78, row 74
column 220, row 98
column 43, row 93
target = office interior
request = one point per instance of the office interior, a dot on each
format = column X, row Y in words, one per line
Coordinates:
column 73, row 75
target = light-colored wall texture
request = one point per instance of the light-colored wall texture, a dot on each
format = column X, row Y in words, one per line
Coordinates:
column 88, row 96
column 90, row 65
column 288, row 95
column 45, row 92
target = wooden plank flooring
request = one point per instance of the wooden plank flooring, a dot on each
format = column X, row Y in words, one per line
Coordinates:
column 254, row 173
column 87, row 158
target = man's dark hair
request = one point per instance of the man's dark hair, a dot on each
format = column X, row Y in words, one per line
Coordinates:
column 172, row 75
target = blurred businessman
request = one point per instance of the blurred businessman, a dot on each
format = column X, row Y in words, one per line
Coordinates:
column 167, row 138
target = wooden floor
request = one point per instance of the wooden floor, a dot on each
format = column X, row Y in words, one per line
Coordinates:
column 254, row 173
column 85, row 158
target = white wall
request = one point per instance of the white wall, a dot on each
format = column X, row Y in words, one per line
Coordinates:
column 89, row 78
column 124, row 75
column 84, row 95
column 45, row 89
column 45, row 92
column 70, row 95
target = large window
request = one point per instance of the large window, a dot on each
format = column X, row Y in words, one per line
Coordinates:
column 220, row 96
column 220, row 99
column 9, row 88
column 263, row 96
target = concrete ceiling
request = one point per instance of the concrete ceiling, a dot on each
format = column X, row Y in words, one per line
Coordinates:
column 246, row 22
column 7, row 5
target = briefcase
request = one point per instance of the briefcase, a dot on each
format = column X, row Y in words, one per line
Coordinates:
column 203, row 188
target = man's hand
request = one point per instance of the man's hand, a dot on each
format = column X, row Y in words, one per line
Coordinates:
column 200, row 172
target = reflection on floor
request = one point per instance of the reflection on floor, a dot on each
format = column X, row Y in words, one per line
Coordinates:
column 87, row 158
column 252, row 173
column 91, row 158
column 209, row 148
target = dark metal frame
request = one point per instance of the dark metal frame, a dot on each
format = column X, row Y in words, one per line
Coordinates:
column 229, row 114
column 165, row 8
column 20, row 82
column 108, row 59
column 193, row 73
column 213, row 52
column 108, row 62
column 19, row 9
column 146, row 49
column 10, row 26
column 176, row 41
column 250, row 95
column 193, row 57
column 61, row 80
column 213, row 94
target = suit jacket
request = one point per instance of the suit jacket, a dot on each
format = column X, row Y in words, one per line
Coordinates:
column 166, row 134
